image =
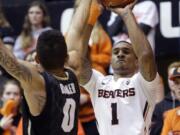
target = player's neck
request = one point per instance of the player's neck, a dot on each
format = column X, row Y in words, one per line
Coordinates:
column 59, row 73
column 117, row 76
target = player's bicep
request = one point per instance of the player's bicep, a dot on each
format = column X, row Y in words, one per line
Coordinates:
column 149, row 88
column 81, row 66
column 72, row 39
column 94, row 81
column 32, row 72
column 34, row 91
column 147, row 66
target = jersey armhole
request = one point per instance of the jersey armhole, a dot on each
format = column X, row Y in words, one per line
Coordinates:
column 44, row 112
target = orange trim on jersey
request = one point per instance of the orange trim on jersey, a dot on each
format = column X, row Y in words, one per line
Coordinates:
column 100, row 52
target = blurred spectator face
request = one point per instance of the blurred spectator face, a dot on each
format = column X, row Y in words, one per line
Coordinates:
column 35, row 15
column 174, row 84
column 177, row 87
column 11, row 91
column 170, row 82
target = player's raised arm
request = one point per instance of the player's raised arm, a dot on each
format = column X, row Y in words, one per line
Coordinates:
column 26, row 74
column 74, row 37
column 85, row 65
column 140, row 43
column 78, row 38
column 23, row 71
column 78, row 25
column 11, row 65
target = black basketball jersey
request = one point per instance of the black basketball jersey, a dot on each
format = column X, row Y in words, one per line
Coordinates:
column 60, row 114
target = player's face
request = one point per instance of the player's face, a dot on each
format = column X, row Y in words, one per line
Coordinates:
column 123, row 59
column 35, row 15
column 11, row 91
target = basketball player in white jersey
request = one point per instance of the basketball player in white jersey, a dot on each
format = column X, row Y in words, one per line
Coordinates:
column 123, row 103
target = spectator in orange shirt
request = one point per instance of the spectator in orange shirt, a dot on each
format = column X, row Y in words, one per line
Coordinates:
column 172, row 118
column 100, row 49
column 9, row 113
column 172, row 122
column 80, row 129
column 19, row 130
column 169, row 102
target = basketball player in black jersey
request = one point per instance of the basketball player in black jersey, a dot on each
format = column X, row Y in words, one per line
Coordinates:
column 52, row 96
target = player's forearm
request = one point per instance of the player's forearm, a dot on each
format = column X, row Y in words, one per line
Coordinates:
column 11, row 65
column 137, row 37
column 94, row 13
column 78, row 24
column 82, row 49
column 141, row 46
column 81, row 15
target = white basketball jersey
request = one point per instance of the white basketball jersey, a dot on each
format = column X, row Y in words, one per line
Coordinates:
column 122, row 107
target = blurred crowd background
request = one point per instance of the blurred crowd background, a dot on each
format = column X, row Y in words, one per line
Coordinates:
column 159, row 19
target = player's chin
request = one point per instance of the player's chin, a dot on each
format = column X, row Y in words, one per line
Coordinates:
column 121, row 67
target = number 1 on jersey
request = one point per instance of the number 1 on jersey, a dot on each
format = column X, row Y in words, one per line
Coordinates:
column 114, row 120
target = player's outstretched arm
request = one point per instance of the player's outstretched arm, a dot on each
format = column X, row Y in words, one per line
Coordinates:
column 140, row 43
column 30, row 79
column 11, row 65
column 85, row 64
column 74, row 37
column 78, row 38
column 78, row 24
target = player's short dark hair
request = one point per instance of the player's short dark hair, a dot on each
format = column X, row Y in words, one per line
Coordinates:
column 51, row 50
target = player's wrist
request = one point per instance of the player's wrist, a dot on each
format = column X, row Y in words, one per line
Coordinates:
column 125, row 14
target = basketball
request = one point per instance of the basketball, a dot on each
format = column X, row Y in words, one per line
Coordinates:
column 116, row 3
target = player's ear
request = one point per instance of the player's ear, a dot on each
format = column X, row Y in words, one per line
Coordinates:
column 137, row 63
column 67, row 58
column 37, row 59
